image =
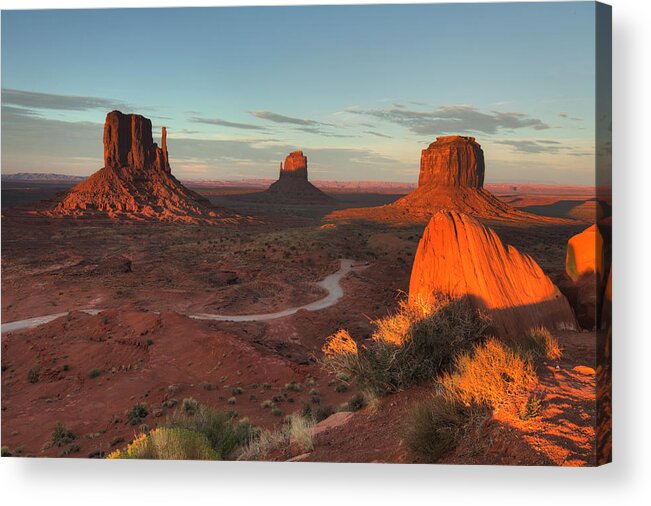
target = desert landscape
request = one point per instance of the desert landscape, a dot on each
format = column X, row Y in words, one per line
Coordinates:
column 352, row 233
column 444, row 321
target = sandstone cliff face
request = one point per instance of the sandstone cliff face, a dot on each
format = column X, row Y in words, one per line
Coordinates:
column 136, row 180
column 451, row 177
column 452, row 161
column 459, row 256
column 295, row 166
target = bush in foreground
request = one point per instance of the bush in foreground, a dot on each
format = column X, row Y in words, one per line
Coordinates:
column 417, row 342
column 539, row 343
column 200, row 433
column 491, row 377
column 168, row 444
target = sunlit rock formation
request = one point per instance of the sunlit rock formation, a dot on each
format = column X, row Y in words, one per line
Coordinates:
column 451, row 177
column 459, row 256
column 136, row 180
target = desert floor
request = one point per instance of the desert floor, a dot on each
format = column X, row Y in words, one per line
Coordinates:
column 147, row 349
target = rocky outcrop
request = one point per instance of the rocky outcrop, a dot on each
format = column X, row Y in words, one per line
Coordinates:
column 585, row 277
column 136, row 181
column 292, row 186
column 451, row 177
column 460, row 257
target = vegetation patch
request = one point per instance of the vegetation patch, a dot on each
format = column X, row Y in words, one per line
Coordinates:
column 416, row 343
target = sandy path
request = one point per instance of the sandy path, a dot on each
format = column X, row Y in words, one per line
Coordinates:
column 330, row 283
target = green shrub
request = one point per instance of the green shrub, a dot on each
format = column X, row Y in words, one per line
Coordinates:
column 34, row 375
column 61, row 435
column 323, row 412
column 189, row 405
column 433, row 428
column 136, row 414
column 94, row 373
column 224, row 434
column 356, row 402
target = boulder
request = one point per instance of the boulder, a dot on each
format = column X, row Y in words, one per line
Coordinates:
column 459, row 256
column 584, row 275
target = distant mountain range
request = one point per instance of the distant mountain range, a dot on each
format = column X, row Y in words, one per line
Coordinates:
column 43, row 177
column 342, row 186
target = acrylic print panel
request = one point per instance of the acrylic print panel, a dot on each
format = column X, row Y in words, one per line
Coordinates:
column 386, row 238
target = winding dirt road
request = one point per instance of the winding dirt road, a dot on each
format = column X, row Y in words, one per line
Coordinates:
column 330, row 283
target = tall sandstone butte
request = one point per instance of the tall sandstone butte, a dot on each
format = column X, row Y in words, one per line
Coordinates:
column 292, row 186
column 136, row 180
column 460, row 257
column 451, row 178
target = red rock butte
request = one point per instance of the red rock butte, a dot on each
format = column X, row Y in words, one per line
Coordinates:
column 292, row 186
column 451, row 177
column 136, row 181
column 459, row 256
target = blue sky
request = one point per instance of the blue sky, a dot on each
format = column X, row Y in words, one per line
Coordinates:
column 361, row 89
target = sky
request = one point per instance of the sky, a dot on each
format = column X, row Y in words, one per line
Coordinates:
column 360, row 89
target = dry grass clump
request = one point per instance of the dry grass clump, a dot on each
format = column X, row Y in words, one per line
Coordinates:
column 168, row 444
column 491, row 374
column 417, row 342
column 297, row 429
column 539, row 343
column 491, row 377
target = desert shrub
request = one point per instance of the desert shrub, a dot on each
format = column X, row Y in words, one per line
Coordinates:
column 299, row 429
column 539, row 343
column 237, row 391
column 94, row 373
column 434, row 427
column 166, row 443
column 356, row 402
column 61, row 435
column 276, row 411
column 232, row 400
column 33, row 375
column 417, row 342
column 341, row 388
column 5, row 452
column 136, row 414
column 224, row 434
column 491, row 374
column 532, row 408
column 323, row 412
column 189, row 405
column 490, row 377
column 75, row 448
column 267, row 404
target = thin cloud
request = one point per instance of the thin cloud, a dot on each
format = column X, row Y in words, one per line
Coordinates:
column 280, row 118
column 377, row 134
column 538, row 146
column 225, row 123
column 452, row 119
column 35, row 100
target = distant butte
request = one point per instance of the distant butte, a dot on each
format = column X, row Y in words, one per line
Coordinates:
column 292, row 186
column 136, row 181
column 451, row 178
